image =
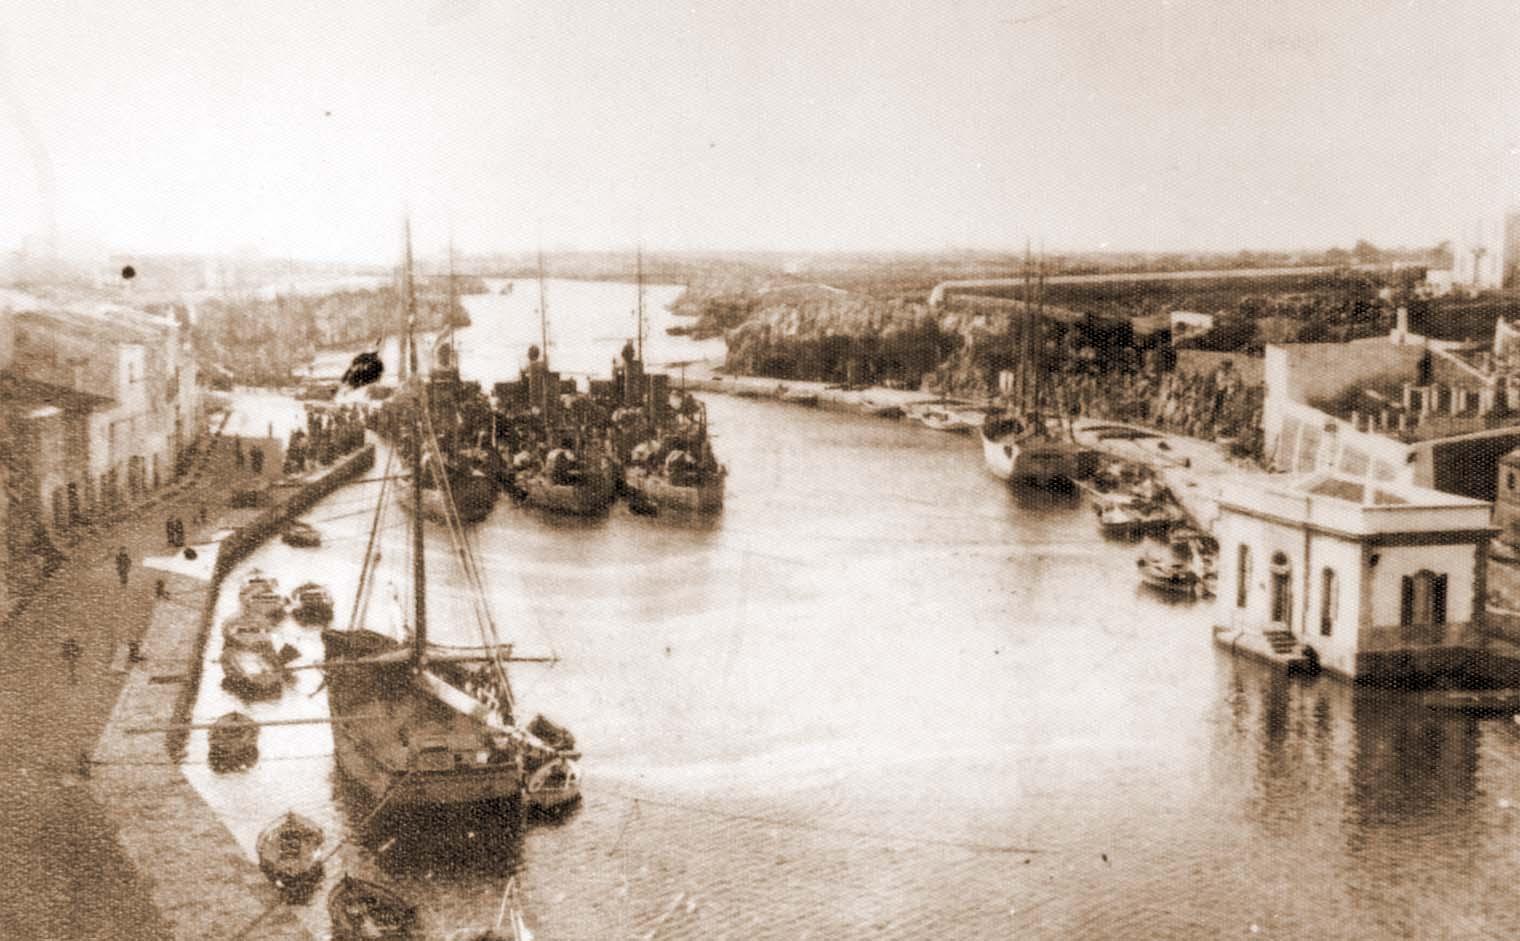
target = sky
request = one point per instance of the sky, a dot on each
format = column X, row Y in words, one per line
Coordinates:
column 307, row 130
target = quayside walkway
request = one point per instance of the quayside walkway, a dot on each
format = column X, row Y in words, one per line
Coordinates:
column 66, row 875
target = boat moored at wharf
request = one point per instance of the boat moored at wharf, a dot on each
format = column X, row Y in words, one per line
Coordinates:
column 416, row 726
column 1028, row 451
column 1030, row 441
column 361, row 910
column 667, row 452
column 570, row 452
column 457, row 482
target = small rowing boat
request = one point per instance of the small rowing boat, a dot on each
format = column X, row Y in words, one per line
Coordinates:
column 234, row 741
column 368, row 910
column 251, row 673
column 290, row 852
column 260, row 595
column 311, row 604
column 301, row 535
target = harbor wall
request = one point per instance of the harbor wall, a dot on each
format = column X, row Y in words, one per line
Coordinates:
column 238, row 546
column 829, row 397
column 199, row 878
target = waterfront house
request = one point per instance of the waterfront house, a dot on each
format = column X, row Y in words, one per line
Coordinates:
column 138, row 367
column 1371, row 580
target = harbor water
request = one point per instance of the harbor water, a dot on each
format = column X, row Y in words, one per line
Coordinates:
column 882, row 695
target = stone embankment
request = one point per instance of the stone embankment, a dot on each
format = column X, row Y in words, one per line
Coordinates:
column 1195, row 470
column 200, row 880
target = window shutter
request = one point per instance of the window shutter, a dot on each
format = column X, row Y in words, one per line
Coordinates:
column 1406, row 601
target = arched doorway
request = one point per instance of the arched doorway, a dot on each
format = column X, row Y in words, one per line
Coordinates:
column 1282, row 591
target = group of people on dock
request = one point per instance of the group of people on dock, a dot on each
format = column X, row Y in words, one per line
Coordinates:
column 329, row 434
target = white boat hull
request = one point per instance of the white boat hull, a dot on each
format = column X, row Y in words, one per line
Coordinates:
column 1043, row 462
column 999, row 455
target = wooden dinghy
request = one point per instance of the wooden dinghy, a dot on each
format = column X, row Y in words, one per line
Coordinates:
column 234, row 741
column 367, row 910
column 290, row 852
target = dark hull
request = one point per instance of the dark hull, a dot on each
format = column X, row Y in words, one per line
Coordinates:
column 590, row 496
column 361, row 909
column 366, row 749
column 290, row 853
column 657, row 491
column 474, row 498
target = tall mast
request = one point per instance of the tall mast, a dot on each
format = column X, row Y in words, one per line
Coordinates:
column 449, row 314
column 409, row 298
column 1024, row 330
column 543, row 309
column 419, row 563
column 1037, row 360
column 641, row 300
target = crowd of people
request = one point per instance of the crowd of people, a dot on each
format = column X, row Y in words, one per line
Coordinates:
column 329, row 434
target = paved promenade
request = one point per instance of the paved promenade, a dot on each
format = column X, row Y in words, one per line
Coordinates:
column 200, row 880
column 67, row 877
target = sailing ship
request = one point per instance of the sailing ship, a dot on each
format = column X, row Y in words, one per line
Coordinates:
column 417, row 725
column 1025, row 443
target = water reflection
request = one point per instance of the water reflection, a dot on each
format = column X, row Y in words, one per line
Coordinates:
column 1411, row 762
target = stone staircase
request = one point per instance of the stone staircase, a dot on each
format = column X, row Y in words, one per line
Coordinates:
column 1283, row 643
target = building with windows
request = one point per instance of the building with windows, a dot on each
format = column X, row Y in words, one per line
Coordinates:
column 128, row 376
column 99, row 406
column 1369, row 580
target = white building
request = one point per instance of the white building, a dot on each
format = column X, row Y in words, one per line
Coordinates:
column 1487, row 255
column 1371, row 580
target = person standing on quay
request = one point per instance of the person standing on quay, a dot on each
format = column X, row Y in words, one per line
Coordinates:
column 71, row 652
column 169, row 530
column 123, row 565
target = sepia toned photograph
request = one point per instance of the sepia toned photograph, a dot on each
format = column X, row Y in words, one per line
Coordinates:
column 477, row 470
